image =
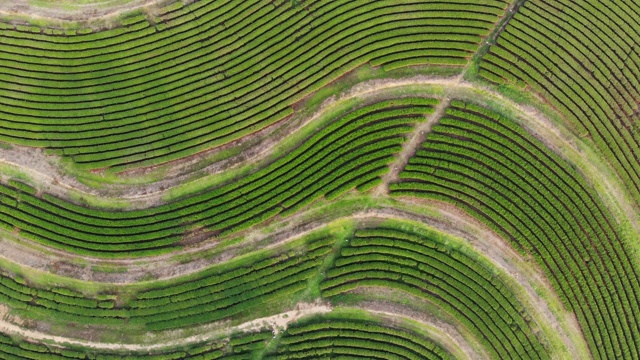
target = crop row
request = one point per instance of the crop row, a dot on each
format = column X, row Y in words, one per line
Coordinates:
column 334, row 338
column 351, row 151
column 239, row 347
column 585, row 62
column 423, row 267
column 498, row 173
column 313, row 338
column 216, row 72
column 218, row 293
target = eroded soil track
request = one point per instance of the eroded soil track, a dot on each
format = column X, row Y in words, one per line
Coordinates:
column 76, row 11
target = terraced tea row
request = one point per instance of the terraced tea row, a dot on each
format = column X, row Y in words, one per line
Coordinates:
column 210, row 72
column 428, row 268
column 497, row 172
column 354, row 340
column 239, row 347
column 164, row 84
column 217, row 293
column 350, row 152
column 394, row 255
column 582, row 57
column 311, row 338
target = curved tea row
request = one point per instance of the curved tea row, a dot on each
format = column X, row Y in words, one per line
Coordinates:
column 581, row 56
column 395, row 255
column 427, row 268
column 355, row 340
column 239, row 347
column 497, row 172
column 220, row 292
column 196, row 77
column 350, row 152
column 312, row 338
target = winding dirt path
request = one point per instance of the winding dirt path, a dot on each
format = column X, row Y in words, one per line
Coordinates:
column 257, row 149
column 65, row 10
column 443, row 333
column 166, row 267
column 277, row 322
column 280, row 322
column 558, row 139
column 453, row 221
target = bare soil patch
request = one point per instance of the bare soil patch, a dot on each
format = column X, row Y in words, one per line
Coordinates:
column 280, row 322
column 69, row 10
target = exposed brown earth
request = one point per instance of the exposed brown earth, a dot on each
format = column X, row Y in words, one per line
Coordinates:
column 68, row 10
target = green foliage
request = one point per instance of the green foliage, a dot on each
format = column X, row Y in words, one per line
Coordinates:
column 354, row 149
column 209, row 72
column 240, row 346
column 215, row 294
column 581, row 60
column 426, row 268
column 497, row 172
column 359, row 338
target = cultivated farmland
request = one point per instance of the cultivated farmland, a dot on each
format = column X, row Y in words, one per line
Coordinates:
column 305, row 179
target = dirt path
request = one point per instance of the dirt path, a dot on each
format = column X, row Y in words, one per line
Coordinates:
column 166, row 266
column 26, row 253
column 590, row 165
column 65, row 10
column 418, row 137
column 277, row 322
column 443, row 333
column 280, row 322
column 537, row 294
column 523, row 272
column 409, row 147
